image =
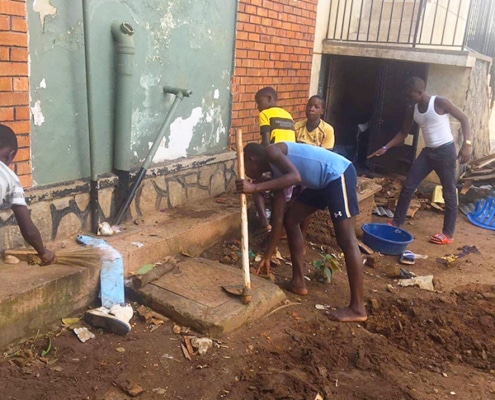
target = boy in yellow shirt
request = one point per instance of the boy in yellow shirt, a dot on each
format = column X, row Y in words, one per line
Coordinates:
column 276, row 125
column 313, row 130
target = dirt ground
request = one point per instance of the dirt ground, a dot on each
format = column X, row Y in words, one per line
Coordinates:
column 416, row 344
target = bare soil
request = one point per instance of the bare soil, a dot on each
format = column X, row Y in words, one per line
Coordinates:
column 416, row 344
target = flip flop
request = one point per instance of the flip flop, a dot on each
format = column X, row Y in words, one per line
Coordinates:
column 263, row 231
column 440, row 238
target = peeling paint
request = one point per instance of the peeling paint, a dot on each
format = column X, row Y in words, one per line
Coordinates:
column 181, row 133
column 38, row 116
column 44, row 8
column 216, row 94
column 43, row 84
column 148, row 82
column 160, row 35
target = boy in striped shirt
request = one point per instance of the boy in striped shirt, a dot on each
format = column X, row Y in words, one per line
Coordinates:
column 12, row 196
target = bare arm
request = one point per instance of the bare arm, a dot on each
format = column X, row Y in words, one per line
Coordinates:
column 31, row 234
column 265, row 138
column 399, row 136
column 290, row 175
column 447, row 106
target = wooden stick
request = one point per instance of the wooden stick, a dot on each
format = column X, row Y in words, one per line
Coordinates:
column 246, row 297
column 158, row 271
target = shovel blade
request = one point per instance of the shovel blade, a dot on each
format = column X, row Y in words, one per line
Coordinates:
column 235, row 290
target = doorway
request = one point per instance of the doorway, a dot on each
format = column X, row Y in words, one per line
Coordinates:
column 366, row 106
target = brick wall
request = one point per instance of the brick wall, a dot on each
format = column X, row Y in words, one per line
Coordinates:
column 14, row 82
column 274, row 47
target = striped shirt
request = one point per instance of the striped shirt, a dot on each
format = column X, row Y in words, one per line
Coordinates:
column 278, row 123
column 11, row 191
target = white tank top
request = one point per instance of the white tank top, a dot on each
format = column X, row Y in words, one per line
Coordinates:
column 435, row 127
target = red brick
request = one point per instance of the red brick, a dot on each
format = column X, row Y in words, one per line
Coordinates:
column 19, row 24
column 18, row 54
column 6, row 114
column 13, row 39
column 23, row 168
column 26, row 180
column 13, row 7
column 19, row 127
column 22, row 113
column 4, row 54
column 23, row 154
column 21, row 84
column 4, row 23
column 24, row 140
column 13, row 69
column 6, row 84
column 14, row 99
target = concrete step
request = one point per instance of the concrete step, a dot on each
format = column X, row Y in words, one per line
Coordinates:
column 33, row 297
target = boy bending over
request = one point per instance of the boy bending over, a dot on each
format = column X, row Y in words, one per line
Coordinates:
column 330, row 182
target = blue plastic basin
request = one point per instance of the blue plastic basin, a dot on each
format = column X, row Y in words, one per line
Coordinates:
column 386, row 239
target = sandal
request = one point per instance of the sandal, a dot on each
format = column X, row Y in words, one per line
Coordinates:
column 263, row 231
column 440, row 238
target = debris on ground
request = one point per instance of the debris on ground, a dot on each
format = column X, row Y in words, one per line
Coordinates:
column 83, row 334
column 448, row 259
column 423, row 282
column 128, row 386
column 480, row 170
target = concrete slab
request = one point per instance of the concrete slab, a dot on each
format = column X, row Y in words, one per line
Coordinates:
column 32, row 297
column 192, row 295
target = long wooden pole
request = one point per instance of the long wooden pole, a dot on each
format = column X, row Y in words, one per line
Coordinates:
column 246, row 293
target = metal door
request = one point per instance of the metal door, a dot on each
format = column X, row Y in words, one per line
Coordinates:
column 388, row 116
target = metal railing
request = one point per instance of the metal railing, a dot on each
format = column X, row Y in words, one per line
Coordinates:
column 451, row 24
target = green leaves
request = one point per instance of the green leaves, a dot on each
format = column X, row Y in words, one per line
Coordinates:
column 326, row 267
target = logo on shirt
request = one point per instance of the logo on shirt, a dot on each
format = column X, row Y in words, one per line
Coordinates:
column 337, row 214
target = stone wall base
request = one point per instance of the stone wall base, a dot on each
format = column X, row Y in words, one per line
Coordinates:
column 63, row 210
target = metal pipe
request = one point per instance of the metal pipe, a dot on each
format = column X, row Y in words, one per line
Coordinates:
column 122, row 34
column 94, row 203
column 179, row 95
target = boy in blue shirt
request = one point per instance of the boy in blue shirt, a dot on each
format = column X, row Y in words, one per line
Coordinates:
column 330, row 182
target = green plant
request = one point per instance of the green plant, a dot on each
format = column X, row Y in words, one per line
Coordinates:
column 326, row 267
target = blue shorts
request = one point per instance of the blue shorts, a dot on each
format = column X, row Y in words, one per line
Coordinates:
column 339, row 196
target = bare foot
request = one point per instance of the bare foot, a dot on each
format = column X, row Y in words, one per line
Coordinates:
column 291, row 287
column 346, row 315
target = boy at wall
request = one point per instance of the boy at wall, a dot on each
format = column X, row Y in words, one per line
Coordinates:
column 12, row 196
column 276, row 125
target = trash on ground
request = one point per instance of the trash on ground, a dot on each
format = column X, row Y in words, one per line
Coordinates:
column 406, row 274
column 104, row 229
column 137, row 244
column 322, row 306
column 128, row 386
column 70, row 321
column 143, row 269
column 202, row 345
column 423, row 282
column 448, row 259
column 83, row 334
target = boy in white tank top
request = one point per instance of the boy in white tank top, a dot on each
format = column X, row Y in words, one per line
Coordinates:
column 431, row 113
